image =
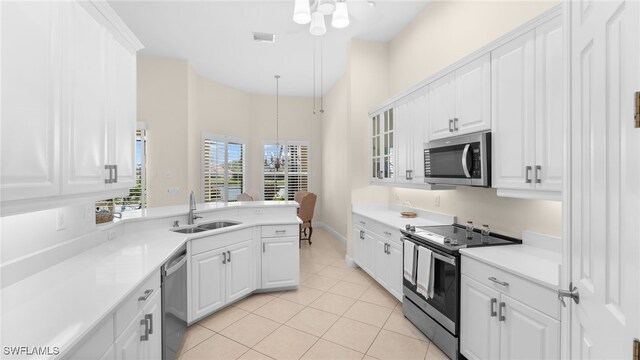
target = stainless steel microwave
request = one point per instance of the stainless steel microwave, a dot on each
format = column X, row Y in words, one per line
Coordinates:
column 461, row 160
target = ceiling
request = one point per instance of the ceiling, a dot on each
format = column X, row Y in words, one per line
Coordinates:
column 216, row 38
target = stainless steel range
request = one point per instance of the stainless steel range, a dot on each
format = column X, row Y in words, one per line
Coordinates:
column 436, row 311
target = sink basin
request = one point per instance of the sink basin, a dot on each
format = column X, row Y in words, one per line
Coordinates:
column 192, row 230
column 217, row 225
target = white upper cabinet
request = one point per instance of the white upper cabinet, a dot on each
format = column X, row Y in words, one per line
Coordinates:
column 30, row 99
column 527, row 110
column 460, row 101
column 411, row 123
column 383, row 154
column 68, row 80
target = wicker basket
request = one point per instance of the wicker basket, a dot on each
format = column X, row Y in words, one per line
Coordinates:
column 104, row 217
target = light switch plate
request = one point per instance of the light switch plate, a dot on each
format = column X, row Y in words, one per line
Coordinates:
column 61, row 223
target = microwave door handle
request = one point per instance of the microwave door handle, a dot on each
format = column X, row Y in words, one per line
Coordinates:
column 465, row 167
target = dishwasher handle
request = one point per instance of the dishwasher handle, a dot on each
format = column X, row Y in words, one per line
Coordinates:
column 181, row 260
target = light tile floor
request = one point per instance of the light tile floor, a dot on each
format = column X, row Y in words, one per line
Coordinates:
column 336, row 313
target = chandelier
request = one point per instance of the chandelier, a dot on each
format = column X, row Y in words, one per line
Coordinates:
column 314, row 11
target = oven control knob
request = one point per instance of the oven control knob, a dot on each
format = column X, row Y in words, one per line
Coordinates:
column 408, row 227
column 454, row 242
column 447, row 240
column 412, row 229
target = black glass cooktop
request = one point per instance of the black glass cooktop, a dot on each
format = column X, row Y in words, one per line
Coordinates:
column 451, row 238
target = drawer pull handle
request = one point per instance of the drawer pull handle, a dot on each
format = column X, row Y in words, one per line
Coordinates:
column 362, row 222
column 264, row 247
column 503, row 283
column 149, row 317
column 146, row 295
column 145, row 336
column 501, row 310
column 494, row 301
column 281, row 231
column 228, row 256
column 387, row 233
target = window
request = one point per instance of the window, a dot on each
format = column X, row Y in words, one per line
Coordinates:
column 283, row 183
column 223, row 163
column 137, row 198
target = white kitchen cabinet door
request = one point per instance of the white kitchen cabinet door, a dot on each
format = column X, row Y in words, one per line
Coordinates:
column 549, row 109
column 419, row 132
column 473, row 96
column 207, row 282
column 359, row 246
column 403, row 135
column 128, row 345
column 512, row 108
column 84, row 93
column 395, row 266
column 442, row 94
column 280, row 262
column 239, row 271
column 121, row 102
column 381, row 265
column 480, row 329
column 30, row 98
column 152, row 313
column 526, row 333
column 376, row 145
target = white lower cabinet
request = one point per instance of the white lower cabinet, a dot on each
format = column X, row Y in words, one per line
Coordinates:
column 220, row 276
column 496, row 325
column 378, row 251
column 280, row 262
column 142, row 339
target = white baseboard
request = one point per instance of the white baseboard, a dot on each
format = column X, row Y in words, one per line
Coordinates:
column 350, row 262
column 342, row 239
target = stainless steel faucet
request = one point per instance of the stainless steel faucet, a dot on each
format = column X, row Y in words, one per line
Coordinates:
column 192, row 206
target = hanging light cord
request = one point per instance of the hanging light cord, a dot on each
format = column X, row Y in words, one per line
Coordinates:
column 277, row 108
column 321, row 89
column 314, row 77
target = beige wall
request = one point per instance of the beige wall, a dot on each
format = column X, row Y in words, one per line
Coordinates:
column 178, row 105
column 163, row 105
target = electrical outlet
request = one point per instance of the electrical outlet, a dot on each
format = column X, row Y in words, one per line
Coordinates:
column 257, row 211
column 61, row 223
column 437, row 200
column 173, row 190
column 89, row 214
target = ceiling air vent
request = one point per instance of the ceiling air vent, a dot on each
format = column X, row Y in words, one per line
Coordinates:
column 264, row 37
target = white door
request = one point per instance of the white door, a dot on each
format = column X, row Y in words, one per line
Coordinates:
column 395, row 269
column 442, row 108
column 526, row 333
column 30, row 99
column 549, row 108
column 128, row 345
column 479, row 330
column 239, row 270
column 84, row 90
column 604, row 160
column 381, row 261
column 153, row 315
column 207, row 282
column 513, row 113
column 473, row 96
column 420, row 136
column 122, row 113
column 280, row 262
column 403, row 123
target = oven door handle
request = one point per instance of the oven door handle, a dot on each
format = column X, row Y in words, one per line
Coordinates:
column 447, row 259
column 465, row 166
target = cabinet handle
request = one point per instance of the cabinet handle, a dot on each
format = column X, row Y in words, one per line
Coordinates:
column 455, row 124
column 410, row 174
column 115, row 171
column 281, row 231
column 387, row 233
column 362, row 234
column 146, row 295
column 362, row 222
column 224, row 257
column 145, row 336
column 406, row 175
column 109, row 180
column 503, row 283
column 527, row 176
column 494, row 301
column 501, row 311
column 149, row 317
column 538, row 171
column 263, row 248
column 228, row 256
column 450, row 125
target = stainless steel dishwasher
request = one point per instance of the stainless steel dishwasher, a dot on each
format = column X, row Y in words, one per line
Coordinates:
column 174, row 303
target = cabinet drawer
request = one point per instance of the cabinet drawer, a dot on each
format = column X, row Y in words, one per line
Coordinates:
column 96, row 344
column 384, row 231
column 538, row 297
column 201, row 245
column 132, row 305
column 280, row 230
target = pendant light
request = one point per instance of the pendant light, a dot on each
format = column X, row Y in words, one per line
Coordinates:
column 340, row 17
column 279, row 161
column 326, row 7
column 302, row 12
column 317, row 27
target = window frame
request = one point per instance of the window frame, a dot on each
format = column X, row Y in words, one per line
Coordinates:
column 226, row 140
column 286, row 144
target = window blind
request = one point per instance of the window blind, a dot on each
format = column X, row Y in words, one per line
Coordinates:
column 223, row 169
column 293, row 176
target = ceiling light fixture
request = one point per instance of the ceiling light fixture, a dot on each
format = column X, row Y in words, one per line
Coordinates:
column 314, row 11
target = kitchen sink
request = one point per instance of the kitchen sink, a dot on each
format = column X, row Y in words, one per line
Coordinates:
column 192, row 230
column 206, row 226
column 217, row 225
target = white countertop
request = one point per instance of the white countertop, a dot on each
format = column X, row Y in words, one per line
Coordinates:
column 391, row 216
column 533, row 263
column 58, row 306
